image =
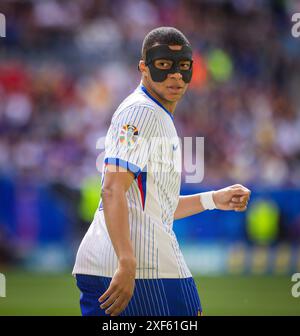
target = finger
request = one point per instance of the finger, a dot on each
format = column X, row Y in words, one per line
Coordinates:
column 235, row 186
column 116, row 307
column 120, row 310
column 238, row 204
column 242, row 208
column 240, row 192
column 239, row 186
column 245, row 199
column 234, row 205
column 241, row 199
column 109, row 301
column 106, row 294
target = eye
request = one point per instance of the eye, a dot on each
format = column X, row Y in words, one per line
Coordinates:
column 163, row 64
column 185, row 65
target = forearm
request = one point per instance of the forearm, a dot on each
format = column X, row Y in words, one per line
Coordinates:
column 188, row 205
column 116, row 217
column 234, row 197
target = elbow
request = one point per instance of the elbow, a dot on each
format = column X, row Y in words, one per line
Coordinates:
column 110, row 192
column 107, row 193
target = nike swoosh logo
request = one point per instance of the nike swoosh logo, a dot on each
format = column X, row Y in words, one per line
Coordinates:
column 175, row 147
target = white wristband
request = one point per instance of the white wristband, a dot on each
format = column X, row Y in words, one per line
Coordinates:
column 207, row 201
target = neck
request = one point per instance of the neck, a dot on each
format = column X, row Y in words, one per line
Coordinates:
column 170, row 106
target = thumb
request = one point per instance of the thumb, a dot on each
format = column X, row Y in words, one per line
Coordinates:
column 239, row 191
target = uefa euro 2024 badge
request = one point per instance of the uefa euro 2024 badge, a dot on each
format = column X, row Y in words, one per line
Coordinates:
column 129, row 136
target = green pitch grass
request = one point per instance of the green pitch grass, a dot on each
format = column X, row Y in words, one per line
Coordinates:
column 48, row 294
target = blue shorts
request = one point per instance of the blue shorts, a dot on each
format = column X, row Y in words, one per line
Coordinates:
column 151, row 297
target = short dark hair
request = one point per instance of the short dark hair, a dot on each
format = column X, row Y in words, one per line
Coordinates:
column 163, row 35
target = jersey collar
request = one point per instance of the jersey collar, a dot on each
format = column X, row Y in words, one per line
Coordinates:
column 156, row 101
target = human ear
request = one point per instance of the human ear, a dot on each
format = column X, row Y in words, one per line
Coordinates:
column 142, row 66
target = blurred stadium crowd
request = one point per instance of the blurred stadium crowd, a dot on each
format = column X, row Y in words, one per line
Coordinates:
column 66, row 65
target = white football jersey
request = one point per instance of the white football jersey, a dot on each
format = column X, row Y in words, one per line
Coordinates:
column 142, row 137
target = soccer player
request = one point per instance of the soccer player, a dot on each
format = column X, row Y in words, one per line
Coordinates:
column 129, row 262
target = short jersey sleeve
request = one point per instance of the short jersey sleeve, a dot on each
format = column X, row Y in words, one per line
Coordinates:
column 131, row 138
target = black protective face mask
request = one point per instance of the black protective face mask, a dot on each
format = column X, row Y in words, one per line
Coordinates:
column 176, row 56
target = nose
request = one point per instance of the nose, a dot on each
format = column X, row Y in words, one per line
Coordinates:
column 176, row 75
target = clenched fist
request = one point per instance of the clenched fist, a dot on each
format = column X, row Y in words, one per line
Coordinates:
column 234, row 197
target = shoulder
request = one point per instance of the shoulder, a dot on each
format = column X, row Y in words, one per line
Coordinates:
column 136, row 106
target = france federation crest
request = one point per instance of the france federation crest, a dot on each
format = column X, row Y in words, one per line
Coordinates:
column 128, row 135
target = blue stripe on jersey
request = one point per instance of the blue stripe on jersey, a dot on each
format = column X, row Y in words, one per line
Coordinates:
column 142, row 185
column 119, row 162
column 152, row 297
column 125, row 164
column 156, row 101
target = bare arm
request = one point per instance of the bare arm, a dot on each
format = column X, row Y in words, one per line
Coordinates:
column 187, row 206
column 234, row 197
column 115, row 208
